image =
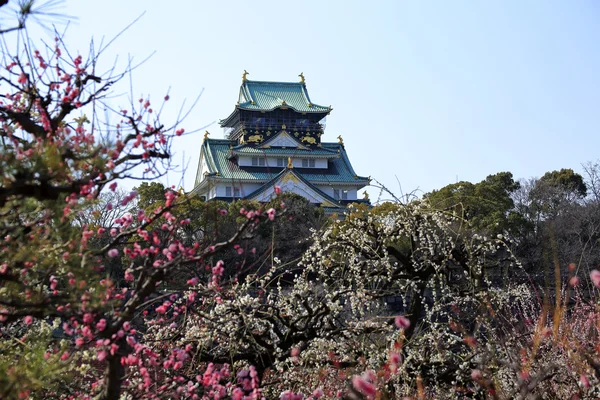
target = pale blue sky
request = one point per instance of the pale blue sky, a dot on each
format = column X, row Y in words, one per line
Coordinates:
column 421, row 91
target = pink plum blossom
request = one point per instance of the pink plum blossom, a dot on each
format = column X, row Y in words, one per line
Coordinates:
column 112, row 253
column 102, row 354
column 363, row 385
column 101, row 325
column 595, row 277
column 402, row 322
column 574, row 281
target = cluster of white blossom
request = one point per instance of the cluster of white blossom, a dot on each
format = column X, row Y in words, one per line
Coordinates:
column 333, row 316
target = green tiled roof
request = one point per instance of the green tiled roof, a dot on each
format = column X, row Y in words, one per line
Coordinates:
column 218, row 154
column 267, row 96
column 321, row 152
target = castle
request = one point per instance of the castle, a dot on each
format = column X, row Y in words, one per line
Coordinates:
column 273, row 139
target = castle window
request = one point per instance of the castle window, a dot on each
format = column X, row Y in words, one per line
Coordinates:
column 336, row 194
column 308, row 163
column 258, row 161
column 235, row 192
column 280, row 162
column 344, row 195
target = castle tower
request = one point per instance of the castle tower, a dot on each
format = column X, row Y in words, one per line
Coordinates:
column 273, row 138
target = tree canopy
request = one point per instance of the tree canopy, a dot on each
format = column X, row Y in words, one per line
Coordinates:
column 486, row 205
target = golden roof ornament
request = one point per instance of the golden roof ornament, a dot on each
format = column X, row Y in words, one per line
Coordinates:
column 301, row 77
column 340, row 140
column 206, row 135
column 244, row 79
column 365, row 195
column 290, row 165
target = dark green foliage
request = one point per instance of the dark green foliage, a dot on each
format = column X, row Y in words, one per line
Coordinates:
column 557, row 190
column 547, row 220
column 151, row 195
column 487, row 205
column 566, row 180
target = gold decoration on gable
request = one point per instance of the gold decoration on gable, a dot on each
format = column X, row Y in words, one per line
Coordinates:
column 308, row 139
column 255, row 139
column 290, row 178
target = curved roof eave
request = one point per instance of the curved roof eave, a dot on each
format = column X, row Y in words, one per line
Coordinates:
column 325, row 110
column 225, row 120
column 212, row 165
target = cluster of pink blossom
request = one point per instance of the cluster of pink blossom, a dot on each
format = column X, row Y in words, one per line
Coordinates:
column 63, row 166
column 366, row 384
